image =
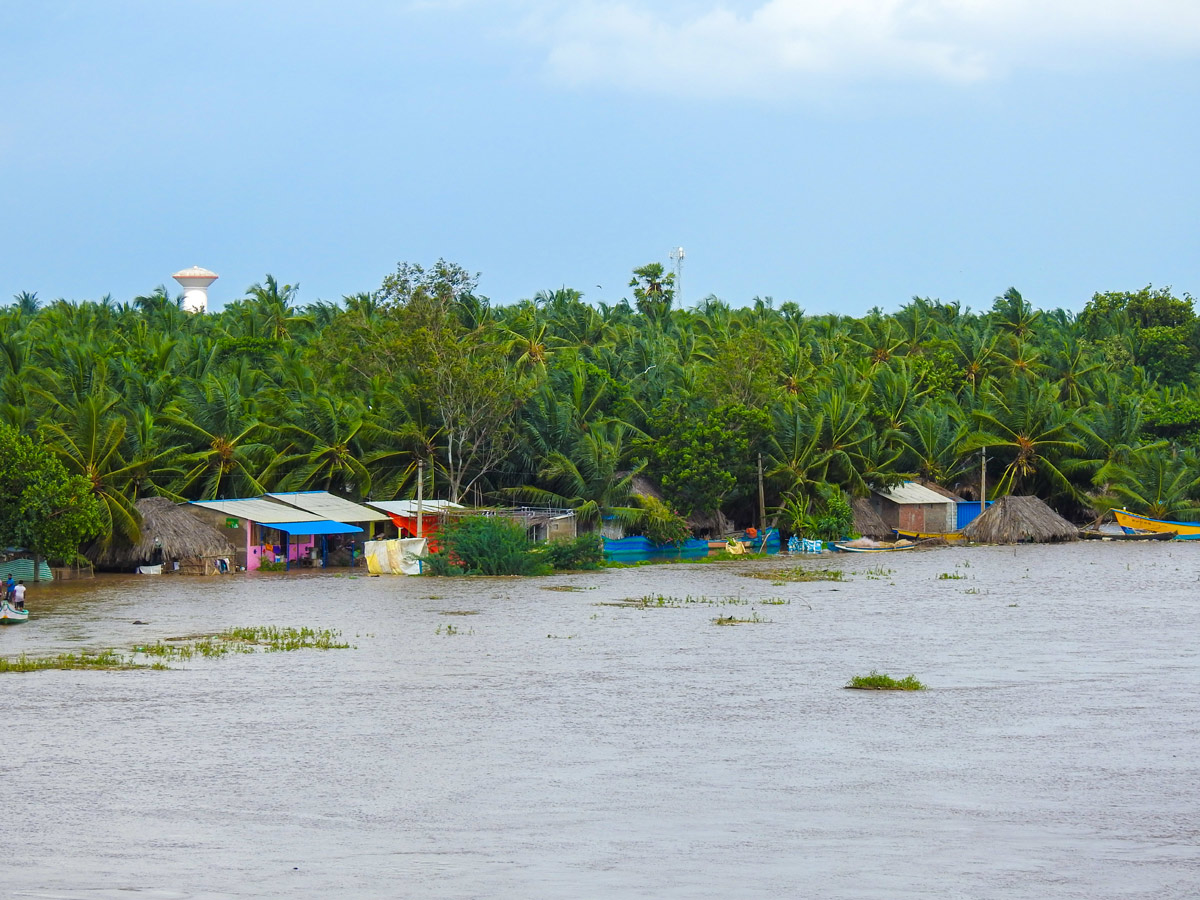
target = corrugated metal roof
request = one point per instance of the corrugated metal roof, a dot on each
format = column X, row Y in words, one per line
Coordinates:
column 329, row 506
column 409, row 507
column 326, row 527
column 257, row 509
column 910, row 492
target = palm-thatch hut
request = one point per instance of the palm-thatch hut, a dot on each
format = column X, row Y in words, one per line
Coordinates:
column 867, row 522
column 1019, row 520
column 171, row 534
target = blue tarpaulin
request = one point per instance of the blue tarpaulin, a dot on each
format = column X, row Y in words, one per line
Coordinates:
column 325, row 527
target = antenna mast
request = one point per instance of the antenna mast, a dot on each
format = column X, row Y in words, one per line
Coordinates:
column 677, row 255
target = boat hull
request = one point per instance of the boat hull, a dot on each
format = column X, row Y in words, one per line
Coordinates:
column 1131, row 522
column 1140, row 536
column 928, row 535
column 844, row 548
column 12, row 616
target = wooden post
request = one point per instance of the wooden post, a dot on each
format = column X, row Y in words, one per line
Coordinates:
column 420, row 497
column 982, row 480
column 762, row 501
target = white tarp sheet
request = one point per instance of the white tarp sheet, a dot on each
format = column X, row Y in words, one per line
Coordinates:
column 397, row 557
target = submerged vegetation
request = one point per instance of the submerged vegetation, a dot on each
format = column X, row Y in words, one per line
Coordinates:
column 781, row 576
column 665, row 601
column 637, row 412
column 753, row 619
column 877, row 681
column 270, row 639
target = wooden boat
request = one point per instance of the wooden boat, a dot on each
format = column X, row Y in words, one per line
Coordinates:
column 886, row 548
column 1132, row 523
column 1135, row 536
column 928, row 535
column 10, row 615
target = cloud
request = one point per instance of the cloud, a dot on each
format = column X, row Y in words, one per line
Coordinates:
column 784, row 45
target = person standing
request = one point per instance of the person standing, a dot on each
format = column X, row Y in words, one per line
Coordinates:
column 19, row 594
column 9, row 587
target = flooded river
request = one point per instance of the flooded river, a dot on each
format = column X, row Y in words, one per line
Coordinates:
column 553, row 746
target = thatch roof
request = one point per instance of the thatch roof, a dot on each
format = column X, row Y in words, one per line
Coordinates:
column 642, row 485
column 180, row 533
column 1013, row 520
column 867, row 522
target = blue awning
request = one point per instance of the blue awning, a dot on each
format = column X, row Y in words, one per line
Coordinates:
column 324, row 527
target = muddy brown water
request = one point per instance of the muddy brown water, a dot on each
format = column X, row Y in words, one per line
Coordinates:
column 556, row 747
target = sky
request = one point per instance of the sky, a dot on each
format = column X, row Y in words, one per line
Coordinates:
column 842, row 154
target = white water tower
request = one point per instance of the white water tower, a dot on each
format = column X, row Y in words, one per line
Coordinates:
column 195, row 282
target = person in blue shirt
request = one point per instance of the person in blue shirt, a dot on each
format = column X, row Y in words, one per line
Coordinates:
column 10, row 588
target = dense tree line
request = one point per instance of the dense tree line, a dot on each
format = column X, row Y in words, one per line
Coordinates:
column 555, row 401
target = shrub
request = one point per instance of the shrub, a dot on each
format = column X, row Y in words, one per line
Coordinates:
column 659, row 524
column 877, row 681
column 485, row 545
column 583, row 552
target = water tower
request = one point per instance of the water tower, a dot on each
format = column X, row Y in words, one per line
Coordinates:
column 195, row 282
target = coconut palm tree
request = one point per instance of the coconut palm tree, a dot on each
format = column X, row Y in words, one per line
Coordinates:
column 1034, row 435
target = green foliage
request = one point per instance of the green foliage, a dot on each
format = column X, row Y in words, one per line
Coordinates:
column 1177, row 420
column 583, row 552
column 828, row 517
column 485, row 545
column 557, row 401
column 660, row 524
column 877, row 681
column 1147, row 308
column 42, row 507
column 701, row 462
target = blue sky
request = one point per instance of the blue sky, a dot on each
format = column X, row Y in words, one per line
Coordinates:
column 839, row 154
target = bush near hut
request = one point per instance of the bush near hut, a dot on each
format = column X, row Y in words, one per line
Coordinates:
column 485, row 545
column 583, row 552
column 659, row 524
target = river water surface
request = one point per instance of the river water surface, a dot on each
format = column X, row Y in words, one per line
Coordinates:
column 559, row 747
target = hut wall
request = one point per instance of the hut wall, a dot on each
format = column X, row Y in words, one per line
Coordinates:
column 888, row 510
column 561, row 528
column 238, row 534
column 929, row 517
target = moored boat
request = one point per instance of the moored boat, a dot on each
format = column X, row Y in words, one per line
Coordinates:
column 847, row 547
column 1126, row 536
column 1132, row 523
column 928, row 535
column 10, row 615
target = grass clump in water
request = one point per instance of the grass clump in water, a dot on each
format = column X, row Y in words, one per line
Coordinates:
column 273, row 639
column 780, row 576
column 754, row 619
column 878, row 681
column 232, row 640
column 105, row 659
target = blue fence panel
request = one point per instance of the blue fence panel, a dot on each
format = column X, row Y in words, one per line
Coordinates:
column 968, row 512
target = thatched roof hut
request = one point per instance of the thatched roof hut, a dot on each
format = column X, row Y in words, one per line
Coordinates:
column 180, row 535
column 867, row 522
column 1015, row 520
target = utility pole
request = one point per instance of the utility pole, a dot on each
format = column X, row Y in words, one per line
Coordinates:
column 762, row 500
column 982, row 479
column 420, row 497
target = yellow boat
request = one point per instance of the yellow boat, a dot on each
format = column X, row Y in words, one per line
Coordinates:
column 927, row 535
column 1184, row 531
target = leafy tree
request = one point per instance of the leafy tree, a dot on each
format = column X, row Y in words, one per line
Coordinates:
column 700, row 463
column 42, row 506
